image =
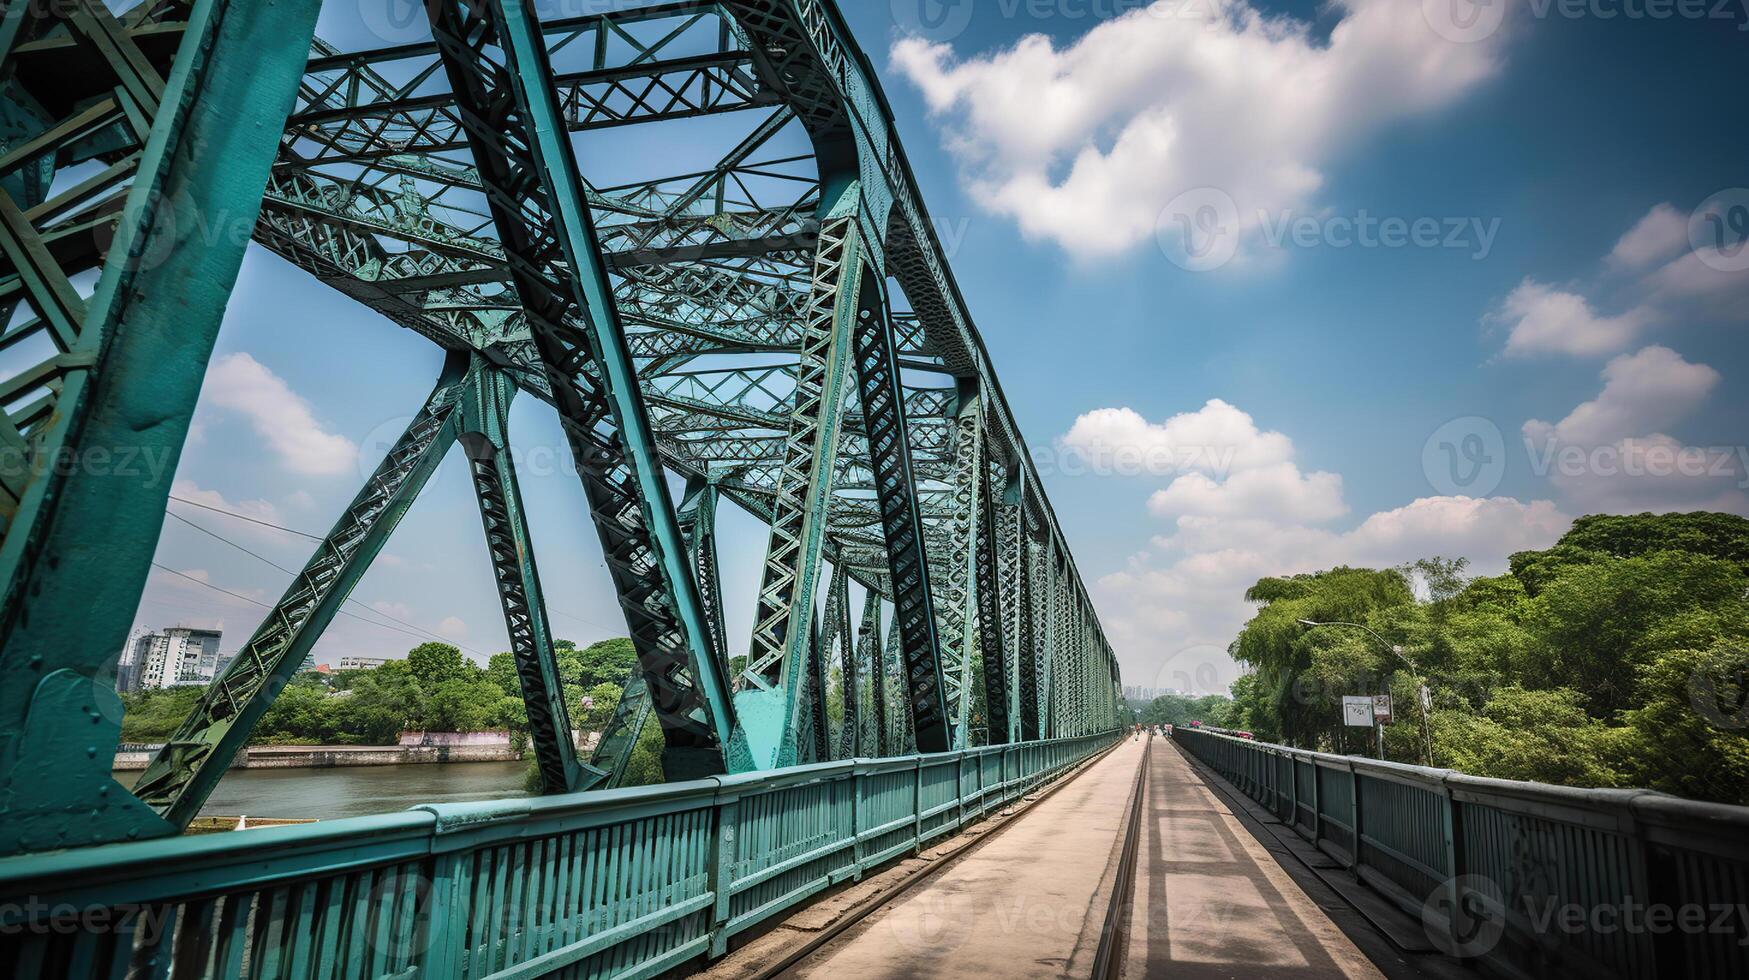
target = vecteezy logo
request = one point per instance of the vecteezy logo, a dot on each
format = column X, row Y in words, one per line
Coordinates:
column 1464, row 21
column 1199, row 229
column 1719, row 692
column 934, row 20
column 396, row 21
column 1719, row 230
column 1465, row 457
column 1464, row 917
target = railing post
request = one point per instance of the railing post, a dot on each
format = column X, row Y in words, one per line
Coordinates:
column 1293, row 790
column 722, row 873
column 1454, row 856
column 1317, row 803
column 856, row 846
column 917, row 827
column 451, row 876
column 1354, row 813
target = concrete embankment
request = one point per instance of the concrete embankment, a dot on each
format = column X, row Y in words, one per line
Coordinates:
column 329, row 756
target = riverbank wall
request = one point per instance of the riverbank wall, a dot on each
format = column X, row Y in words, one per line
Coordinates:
column 331, row 756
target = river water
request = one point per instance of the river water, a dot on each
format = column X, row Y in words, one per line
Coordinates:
column 354, row 791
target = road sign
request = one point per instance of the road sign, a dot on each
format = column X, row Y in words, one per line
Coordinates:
column 1381, row 709
column 1357, row 711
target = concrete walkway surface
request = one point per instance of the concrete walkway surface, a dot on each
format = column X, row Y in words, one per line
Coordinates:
column 1030, row 902
column 1211, row 903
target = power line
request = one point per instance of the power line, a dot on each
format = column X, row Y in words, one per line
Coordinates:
column 245, row 517
column 263, row 605
column 418, row 630
column 318, row 539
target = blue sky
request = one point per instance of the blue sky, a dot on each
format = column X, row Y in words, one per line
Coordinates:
column 1282, row 404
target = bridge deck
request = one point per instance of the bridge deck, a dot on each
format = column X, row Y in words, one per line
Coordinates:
column 1209, row 900
column 1015, row 907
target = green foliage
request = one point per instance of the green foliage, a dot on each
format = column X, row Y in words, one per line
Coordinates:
column 1179, row 709
column 154, row 716
column 1615, row 658
column 645, row 766
column 607, row 662
column 434, row 664
column 435, row 689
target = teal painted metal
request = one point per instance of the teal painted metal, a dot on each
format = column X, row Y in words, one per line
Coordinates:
column 498, row 66
column 183, row 774
column 620, row 883
column 782, row 653
column 675, row 325
column 127, row 363
column 486, row 440
column 1483, row 862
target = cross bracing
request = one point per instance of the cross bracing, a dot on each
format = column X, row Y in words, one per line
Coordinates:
column 774, row 325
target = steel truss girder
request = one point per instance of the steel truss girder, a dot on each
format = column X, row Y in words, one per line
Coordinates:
column 469, row 405
column 127, row 361
column 781, row 650
column 498, row 65
column 992, row 644
column 871, row 651
column 806, row 53
column 838, row 642
column 185, row 770
column 699, row 269
column 485, row 438
column 957, row 600
column 352, row 113
column 914, row 622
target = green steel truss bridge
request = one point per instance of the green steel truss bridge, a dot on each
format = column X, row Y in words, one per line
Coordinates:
column 775, row 327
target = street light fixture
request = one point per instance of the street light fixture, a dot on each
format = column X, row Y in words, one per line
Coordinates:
column 1397, row 651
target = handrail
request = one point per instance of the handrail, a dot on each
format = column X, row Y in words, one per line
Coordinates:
column 607, row 882
column 1530, row 879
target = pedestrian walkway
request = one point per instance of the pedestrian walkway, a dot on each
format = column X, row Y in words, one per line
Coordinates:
column 1211, row 903
column 1030, row 902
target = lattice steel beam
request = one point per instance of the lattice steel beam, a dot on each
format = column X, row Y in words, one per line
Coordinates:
column 127, row 360
column 183, row 774
column 498, row 69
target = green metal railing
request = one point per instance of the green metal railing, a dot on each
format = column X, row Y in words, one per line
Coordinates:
column 622, row 883
column 1529, row 879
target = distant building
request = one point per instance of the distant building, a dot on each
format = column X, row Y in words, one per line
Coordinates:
column 1137, row 693
column 361, row 663
column 175, row 657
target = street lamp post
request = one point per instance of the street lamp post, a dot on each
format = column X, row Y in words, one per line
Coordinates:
column 1426, row 696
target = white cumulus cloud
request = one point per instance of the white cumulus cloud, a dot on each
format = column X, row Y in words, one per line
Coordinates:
column 1279, row 490
column 280, row 416
column 1546, row 320
column 1085, row 144
column 1660, row 234
column 1216, row 439
column 1611, row 455
column 1642, row 393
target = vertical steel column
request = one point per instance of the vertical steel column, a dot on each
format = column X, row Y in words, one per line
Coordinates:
column 991, row 643
column 957, row 601
column 499, row 72
column 486, row 441
column 839, row 636
column 768, row 705
column 698, row 522
column 127, row 371
column 1026, row 632
column 883, row 413
column 870, row 648
column 182, row 776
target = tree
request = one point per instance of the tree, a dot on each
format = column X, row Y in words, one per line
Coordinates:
column 607, row 662
column 433, row 664
column 1691, row 736
column 460, row 705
